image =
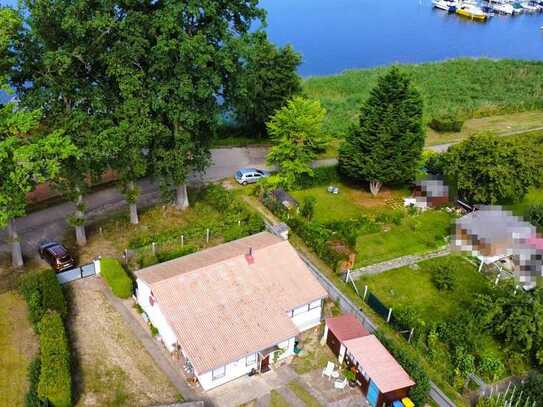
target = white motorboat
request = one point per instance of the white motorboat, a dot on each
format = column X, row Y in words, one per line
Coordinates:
column 529, row 8
column 502, row 8
column 449, row 6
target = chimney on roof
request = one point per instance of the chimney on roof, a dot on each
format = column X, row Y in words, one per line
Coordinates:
column 249, row 256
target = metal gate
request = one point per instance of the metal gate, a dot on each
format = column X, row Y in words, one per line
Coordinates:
column 87, row 270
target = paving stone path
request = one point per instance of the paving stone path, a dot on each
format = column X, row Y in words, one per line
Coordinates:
column 397, row 263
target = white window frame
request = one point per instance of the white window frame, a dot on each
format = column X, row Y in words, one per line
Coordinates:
column 315, row 304
column 300, row 310
column 250, row 359
column 221, row 372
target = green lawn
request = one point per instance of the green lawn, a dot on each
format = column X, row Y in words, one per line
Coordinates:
column 351, row 202
column 414, row 288
column 18, row 344
column 416, row 234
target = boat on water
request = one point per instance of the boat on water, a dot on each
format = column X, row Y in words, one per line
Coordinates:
column 449, row 6
column 518, row 7
column 502, row 8
column 529, row 7
column 471, row 11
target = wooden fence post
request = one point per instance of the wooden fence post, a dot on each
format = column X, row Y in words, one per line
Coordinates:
column 207, row 235
column 182, row 240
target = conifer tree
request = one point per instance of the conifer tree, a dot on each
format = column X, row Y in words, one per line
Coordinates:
column 386, row 146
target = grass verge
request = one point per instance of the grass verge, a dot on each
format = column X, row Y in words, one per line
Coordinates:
column 303, row 394
column 18, row 344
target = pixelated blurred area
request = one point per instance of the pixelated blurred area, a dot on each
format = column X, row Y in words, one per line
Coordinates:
column 496, row 236
column 430, row 192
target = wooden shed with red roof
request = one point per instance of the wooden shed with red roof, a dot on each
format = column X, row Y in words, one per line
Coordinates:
column 340, row 329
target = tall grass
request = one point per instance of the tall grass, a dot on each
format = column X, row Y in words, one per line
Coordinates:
column 464, row 88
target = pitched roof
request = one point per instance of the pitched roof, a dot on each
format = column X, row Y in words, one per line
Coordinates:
column 223, row 306
column 380, row 365
column 494, row 224
column 346, row 326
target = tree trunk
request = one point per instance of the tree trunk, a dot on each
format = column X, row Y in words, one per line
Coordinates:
column 80, row 233
column 134, row 214
column 132, row 198
column 182, row 197
column 375, row 186
column 16, row 252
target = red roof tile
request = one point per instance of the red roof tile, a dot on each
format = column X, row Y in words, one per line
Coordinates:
column 346, row 327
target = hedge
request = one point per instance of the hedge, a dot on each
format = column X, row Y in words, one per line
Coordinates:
column 116, row 277
column 55, row 384
column 420, row 392
column 32, row 399
column 43, row 292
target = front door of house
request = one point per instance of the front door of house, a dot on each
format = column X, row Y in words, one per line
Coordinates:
column 373, row 394
column 265, row 364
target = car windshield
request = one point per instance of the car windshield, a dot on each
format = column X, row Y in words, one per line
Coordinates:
column 238, row 174
column 259, row 172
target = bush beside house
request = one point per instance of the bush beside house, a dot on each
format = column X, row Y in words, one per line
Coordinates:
column 116, row 277
column 55, row 381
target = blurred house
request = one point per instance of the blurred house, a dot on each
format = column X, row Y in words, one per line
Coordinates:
column 430, row 192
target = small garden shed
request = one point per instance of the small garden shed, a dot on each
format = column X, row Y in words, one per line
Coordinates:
column 380, row 376
column 340, row 329
column 284, row 198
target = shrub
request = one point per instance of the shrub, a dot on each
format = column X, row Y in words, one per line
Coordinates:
column 154, row 329
column 321, row 176
column 165, row 255
column 116, row 277
column 147, row 260
column 446, row 123
column 307, row 208
column 490, row 367
column 32, row 399
column 55, row 381
column 534, row 215
column 42, row 292
column 419, row 393
column 443, row 278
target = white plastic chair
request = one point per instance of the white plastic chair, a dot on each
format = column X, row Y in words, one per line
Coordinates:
column 328, row 370
column 340, row 384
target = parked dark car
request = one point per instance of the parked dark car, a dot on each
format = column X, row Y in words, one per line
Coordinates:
column 57, row 256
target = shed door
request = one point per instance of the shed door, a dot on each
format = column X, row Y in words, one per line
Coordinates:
column 373, row 394
column 333, row 343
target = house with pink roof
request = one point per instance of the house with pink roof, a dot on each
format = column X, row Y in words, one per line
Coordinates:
column 234, row 309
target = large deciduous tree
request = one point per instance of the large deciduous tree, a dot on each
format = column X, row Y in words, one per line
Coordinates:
column 194, row 54
column 267, row 79
column 61, row 68
column 486, row 169
column 296, row 132
column 26, row 159
column 386, row 146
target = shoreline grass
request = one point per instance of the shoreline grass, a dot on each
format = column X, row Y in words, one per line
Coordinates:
column 468, row 88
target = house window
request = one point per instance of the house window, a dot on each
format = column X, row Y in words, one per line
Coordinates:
column 299, row 310
column 314, row 304
column 250, row 360
column 218, row 373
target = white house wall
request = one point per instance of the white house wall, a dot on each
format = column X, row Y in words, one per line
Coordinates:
column 155, row 315
column 310, row 317
column 240, row 368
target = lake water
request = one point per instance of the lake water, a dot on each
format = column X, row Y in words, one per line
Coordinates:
column 334, row 35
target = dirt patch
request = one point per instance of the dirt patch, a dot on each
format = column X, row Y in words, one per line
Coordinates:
column 18, row 344
column 111, row 366
column 385, row 198
column 313, row 354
